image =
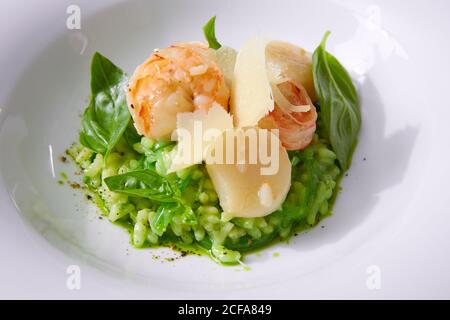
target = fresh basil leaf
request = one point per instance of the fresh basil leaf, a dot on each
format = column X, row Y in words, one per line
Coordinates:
column 184, row 182
column 162, row 144
column 164, row 215
column 143, row 183
column 188, row 216
column 107, row 116
column 167, row 190
column 339, row 104
column 209, row 30
column 161, row 219
column 130, row 135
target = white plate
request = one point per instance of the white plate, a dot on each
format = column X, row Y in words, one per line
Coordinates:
column 389, row 236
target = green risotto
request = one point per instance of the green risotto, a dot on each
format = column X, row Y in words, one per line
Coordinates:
column 194, row 221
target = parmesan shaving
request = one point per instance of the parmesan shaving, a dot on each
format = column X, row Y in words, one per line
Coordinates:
column 251, row 94
column 261, row 65
column 196, row 133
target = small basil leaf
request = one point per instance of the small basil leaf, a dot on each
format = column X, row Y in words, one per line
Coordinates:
column 162, row 144
column 130, row 135
column 164, row 215
column 184, row 182
column 142, row 183
column 189, row 217
column 162, row 219
column 107, row 116
column 209, row 30
column 339, row 104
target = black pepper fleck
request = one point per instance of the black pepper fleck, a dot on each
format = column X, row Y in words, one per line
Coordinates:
column 75, row 185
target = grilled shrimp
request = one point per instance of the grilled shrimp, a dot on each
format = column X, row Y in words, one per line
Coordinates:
column 294, row 114
column 296, row 129
column 180, row 78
